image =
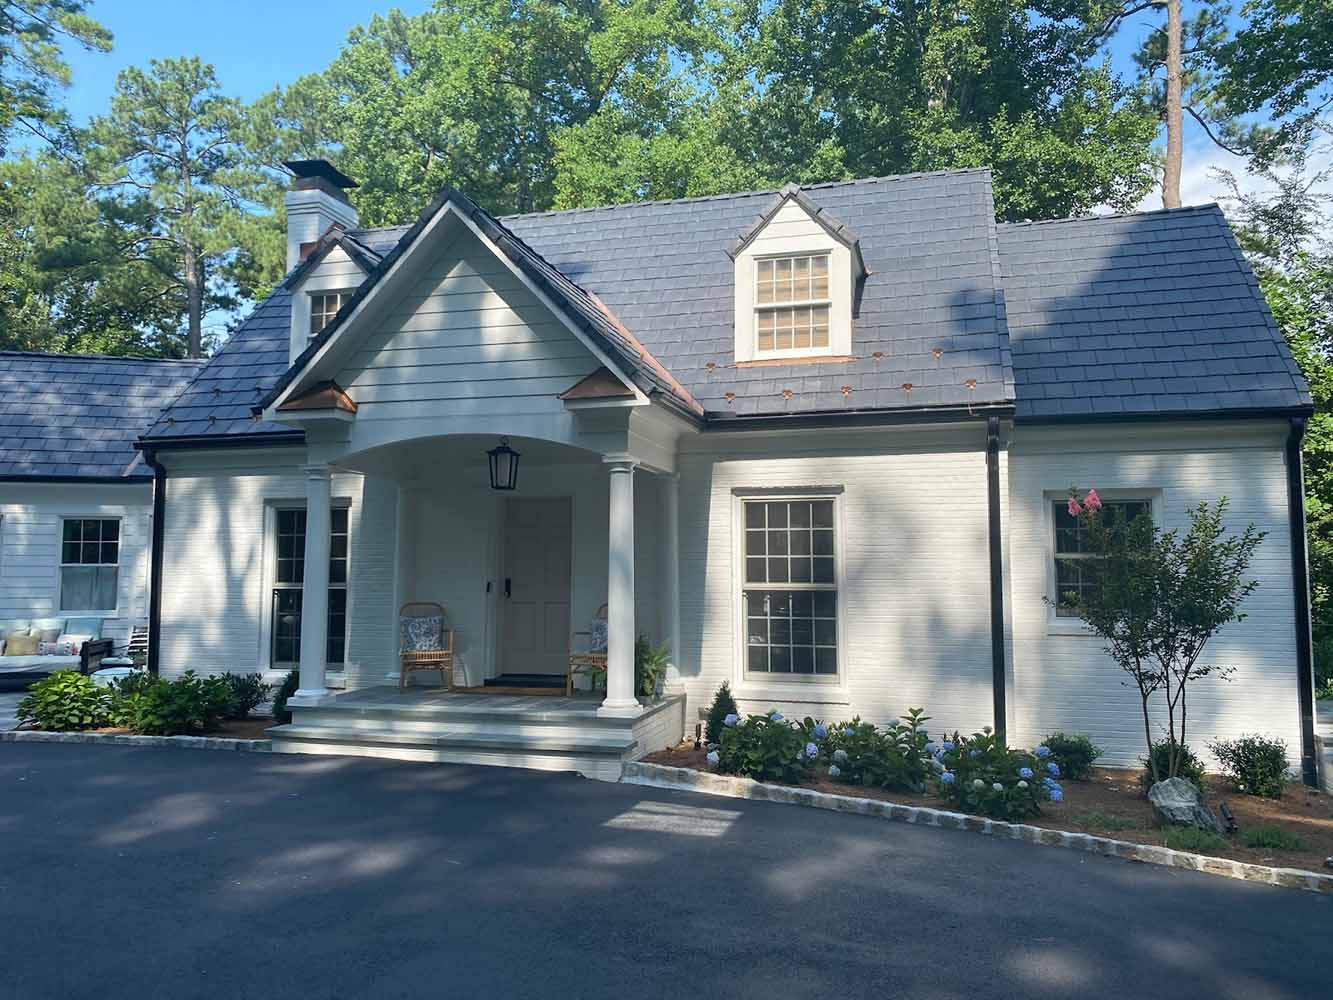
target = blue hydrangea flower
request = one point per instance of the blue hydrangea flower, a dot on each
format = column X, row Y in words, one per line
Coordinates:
column 997, row 786
column 821, row 731
column 811, row 751
column 947, row 777
column 946, row 746
column 1057, row 794
column 1048, row 782
column 1053, row 769
column 1042, row 751
column 1025, row 772
column 840, row 756
column 932, row 747
column 713, row 758
column 834, row 771
column 730, row 720
column 776, row 716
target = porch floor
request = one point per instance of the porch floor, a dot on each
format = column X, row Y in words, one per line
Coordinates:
column 515, row 730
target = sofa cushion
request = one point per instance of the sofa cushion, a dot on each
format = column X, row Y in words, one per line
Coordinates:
column 70, row 645
column 42, row 624
column 45, row 664
column 90, row 627
column 21, row 645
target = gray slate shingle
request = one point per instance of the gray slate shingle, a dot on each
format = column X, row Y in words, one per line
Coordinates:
column 79, row 415
column 1150, row 313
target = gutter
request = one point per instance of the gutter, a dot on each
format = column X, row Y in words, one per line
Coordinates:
column 1300, row 580
column 843, row 418
column 1237, row 413
column 155, row 563
column 996, row 575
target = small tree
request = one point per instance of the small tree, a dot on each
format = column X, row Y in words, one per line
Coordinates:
column 1157, row 597
column 723, row 705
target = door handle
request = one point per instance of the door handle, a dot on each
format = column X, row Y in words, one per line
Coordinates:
column 508, row 591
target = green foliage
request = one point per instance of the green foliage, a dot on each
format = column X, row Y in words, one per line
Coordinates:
column 1098, row 820
column 286, row 689
column 1272, row 837
column 187, row 705
column 893, row 758
column 1195, row 840
column 723, row 705
column 765, row 747
column 981, row 775
column 1256, row 765
column 650, row 665
column 63, row 701
column 1158, row 768
column 125, row 693
column 1157, row 597
column 247, row 692
column 1075, row 753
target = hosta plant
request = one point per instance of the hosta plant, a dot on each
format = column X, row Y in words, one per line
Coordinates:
column 63, row 701
column 979, row 774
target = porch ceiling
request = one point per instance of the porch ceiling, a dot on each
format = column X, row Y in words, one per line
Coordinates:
column 443, row 457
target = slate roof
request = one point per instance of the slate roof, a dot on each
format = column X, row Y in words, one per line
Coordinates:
column 72, row 415
column 1156, row 312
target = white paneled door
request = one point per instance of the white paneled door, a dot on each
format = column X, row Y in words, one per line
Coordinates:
column 535, row 587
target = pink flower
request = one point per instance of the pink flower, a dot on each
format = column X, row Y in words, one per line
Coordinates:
column 1074, row 509
column 1092, row 501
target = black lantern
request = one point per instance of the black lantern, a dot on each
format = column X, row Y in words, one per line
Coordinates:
column 504, row 466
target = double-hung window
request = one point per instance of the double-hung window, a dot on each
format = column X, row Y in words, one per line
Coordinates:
column 288, row 585
column 89, row 563
column 323, row 307
column 1071, row 580
column 792, row 305
column 790, row 590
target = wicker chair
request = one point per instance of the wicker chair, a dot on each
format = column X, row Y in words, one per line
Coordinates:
column 593, row 661
column 424, row 642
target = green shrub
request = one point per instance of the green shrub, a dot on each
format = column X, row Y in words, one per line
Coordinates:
column 1191, row 838
column 186, row 705
column 248, row 692
column 650, row 665
column 723, row 705
column 893, row 758
column 980, row 774
column 125, row 692
column 1256, row 765
column 1188, row 766
column 63, row 701
column 1075, row 753
column 767, row 748
column 285, row 690
column 1273, row 837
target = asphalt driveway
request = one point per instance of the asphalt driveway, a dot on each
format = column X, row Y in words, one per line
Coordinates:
column 167, row 873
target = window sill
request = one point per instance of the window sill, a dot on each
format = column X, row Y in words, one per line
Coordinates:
column 813, row 692
column 1068, row 626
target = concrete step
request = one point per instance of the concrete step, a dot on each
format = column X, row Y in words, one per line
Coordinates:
column 461, row 725
column 594, row 755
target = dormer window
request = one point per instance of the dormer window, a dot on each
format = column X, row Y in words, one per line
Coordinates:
column 323, row 307
column 792, row 305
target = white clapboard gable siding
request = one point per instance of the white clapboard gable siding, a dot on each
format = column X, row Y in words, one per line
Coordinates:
column 336, row 272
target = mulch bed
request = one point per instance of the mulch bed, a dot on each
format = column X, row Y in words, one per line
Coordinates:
column 235, row 729
column 1111, row 804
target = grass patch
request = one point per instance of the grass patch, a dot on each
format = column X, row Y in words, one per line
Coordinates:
column 1098, row 820
column 1191, row 838
column 1272, row 837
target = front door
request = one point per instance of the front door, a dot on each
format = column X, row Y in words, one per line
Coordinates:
column 535, row 594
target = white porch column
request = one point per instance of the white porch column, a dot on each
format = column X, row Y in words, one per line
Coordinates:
column 671, row 560
column 620, row 700
column 315, row 587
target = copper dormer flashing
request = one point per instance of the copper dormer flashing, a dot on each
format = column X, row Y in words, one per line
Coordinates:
column 601, row 384
column 321, row 396
column 831, row 225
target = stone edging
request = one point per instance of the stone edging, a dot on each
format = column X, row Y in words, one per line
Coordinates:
column 661, row 776
column 126, row 740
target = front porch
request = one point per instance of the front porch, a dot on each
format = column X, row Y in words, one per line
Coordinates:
column 432, row 724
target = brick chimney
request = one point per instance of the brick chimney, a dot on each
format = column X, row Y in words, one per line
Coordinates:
column 316, row 200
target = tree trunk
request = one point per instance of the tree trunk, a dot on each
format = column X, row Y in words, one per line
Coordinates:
column 194, row 302
column 1174, row 144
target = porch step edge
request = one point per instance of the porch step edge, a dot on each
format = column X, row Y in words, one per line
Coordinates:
column 352, row 737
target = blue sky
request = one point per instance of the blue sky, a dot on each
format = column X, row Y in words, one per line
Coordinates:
column 255, row 45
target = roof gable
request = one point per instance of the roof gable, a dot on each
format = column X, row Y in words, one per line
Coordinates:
column 792, row 194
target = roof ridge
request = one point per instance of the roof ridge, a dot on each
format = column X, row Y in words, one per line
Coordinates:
column 10, row 352
column 1094, row 217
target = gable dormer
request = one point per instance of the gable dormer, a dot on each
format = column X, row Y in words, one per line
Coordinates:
column 797, row 269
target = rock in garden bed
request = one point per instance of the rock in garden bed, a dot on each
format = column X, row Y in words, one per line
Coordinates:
column 1176, row 802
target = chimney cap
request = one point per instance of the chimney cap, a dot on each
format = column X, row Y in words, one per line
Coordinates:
column 319, row 170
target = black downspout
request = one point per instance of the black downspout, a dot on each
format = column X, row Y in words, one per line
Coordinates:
column 996, row 573
column 155, row 570
column 1300, row 581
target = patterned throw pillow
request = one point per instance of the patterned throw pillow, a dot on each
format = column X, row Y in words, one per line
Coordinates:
column 21, row 645
column 597, row 635
column 71, row 645
column 421, row 635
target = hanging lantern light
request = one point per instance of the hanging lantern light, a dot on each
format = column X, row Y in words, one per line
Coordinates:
column 504, row 466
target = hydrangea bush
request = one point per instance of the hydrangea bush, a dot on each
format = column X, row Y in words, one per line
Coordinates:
column 979, row 774
column 893, row 758
column 766, row 747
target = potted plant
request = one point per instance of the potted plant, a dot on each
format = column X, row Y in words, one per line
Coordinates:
column 650, row 666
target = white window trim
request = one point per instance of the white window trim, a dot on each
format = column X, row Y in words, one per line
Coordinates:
column 344, row 293
column 762, row 307
column 269, row 582
column 757, row 686
column 841, row 289
column 1064, row 624
column 61, row 564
